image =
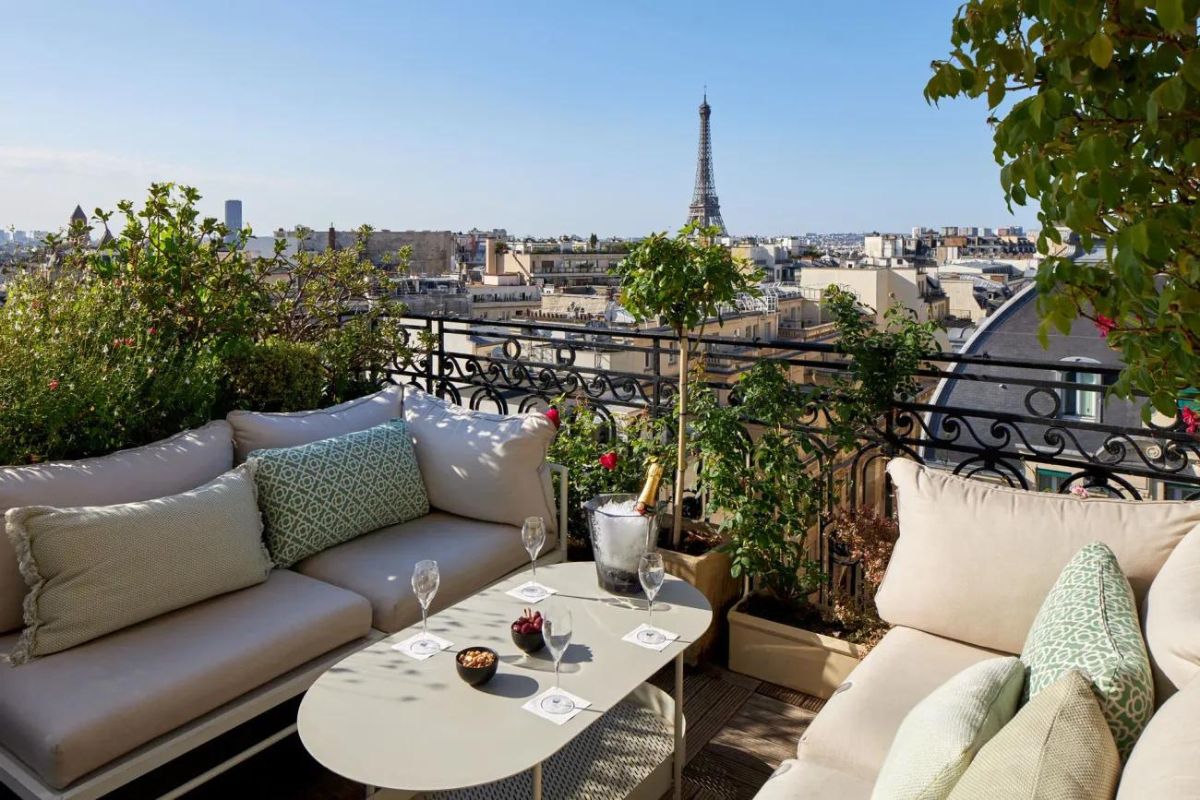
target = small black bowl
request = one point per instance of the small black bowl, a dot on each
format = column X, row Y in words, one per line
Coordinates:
column 476, row 676
column 528, row 642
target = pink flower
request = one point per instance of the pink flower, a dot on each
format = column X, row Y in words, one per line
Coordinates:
column 552, row 415
column 152, row 330
column 1105, row 325
column 1191, row 420
column 1080, row 491
column 609, row 460
column 53, row 384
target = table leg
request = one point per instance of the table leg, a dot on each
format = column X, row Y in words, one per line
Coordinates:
column 537, row 781
column 680, row 745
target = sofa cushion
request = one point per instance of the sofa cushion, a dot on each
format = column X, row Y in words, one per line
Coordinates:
column 1057, row 746
column 1171, row 619
column 320, row 494
column 804, row 780
column 258, row 430
column 69, row 713
column 96, row 569
column 170, row 466
column 855, row 729
column 1165, row 763
column 1088, row 622
column 975, row 560
column 490, row 467
column 942, row 733
column 470, row 555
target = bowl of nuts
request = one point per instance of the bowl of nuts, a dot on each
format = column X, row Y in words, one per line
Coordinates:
column 527, row 632
column 476, row 665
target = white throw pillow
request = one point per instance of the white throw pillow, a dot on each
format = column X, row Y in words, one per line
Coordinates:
column 941, row 734
column 256, row 430
column 1172, row 619
column 490, row 467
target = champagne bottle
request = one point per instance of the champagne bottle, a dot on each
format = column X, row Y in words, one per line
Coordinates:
column 647, row 501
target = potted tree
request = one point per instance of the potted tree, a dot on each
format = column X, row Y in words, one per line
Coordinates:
column 683, row 282
column 772, row 478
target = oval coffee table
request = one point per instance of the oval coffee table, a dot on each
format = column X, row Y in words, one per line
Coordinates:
column 413, row 727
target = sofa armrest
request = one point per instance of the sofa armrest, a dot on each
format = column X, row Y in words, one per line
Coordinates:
column 559, row 553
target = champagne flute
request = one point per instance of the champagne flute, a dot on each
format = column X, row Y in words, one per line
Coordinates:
column 556, row 630
column 533, row 536
column 651, row 575
column 425, row 581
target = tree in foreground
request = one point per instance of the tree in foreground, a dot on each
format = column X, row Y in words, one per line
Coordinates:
column 1096, row 112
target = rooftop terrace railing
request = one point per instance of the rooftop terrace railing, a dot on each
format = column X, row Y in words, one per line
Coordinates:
column 1027, row 423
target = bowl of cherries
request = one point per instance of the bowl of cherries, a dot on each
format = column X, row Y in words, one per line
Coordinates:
column 527, row 632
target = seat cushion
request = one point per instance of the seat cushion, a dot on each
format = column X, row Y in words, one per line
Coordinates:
column 257, row 430
column 323, row 493
column 939, row 737
column 93, row 570
column 176, row 464
column 1088, row 622
column 470, row 555
column 855, row 729
column 1165, row 763
column 1057, row 746
column 69, row 713
column 805, row 780
column 974, row 561
column 1171, row 619
column 490, row 467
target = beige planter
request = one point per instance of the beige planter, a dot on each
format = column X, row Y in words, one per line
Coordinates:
column 793, row 657
column 710, row 574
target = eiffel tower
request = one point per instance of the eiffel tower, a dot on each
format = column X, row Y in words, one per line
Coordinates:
column 705, row 208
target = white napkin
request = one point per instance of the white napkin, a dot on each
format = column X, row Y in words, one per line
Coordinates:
column 516, row 592
column 632, row 636
column 405, row 646
column 535, row 706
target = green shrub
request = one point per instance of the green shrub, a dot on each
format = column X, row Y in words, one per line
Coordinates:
column 274, row 375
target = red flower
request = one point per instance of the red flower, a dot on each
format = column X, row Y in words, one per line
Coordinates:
column 1191, row 420
column 53, row 384
column 1105, row 325
column 151, row 330
column 552, row 415
column 609, row 460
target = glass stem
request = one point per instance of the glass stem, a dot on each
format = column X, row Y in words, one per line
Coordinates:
column 650, row 608
column 424, row 622
column 556, row 673
column 533, row 561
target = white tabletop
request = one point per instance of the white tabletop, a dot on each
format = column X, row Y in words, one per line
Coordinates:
column 385, row 720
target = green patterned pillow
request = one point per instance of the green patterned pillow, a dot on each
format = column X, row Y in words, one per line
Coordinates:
column 1089, row 622
column 321, row 494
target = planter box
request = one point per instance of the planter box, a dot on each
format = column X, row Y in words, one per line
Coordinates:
column 710, row 574
column 793, row 657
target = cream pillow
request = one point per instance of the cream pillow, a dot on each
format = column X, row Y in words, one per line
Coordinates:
column 1171, row 619
column 490, row 467
column 1057, row 746
column 257, row 430
column 975, row 560
column 93, row 570
column 176, row 464
column 941, row 734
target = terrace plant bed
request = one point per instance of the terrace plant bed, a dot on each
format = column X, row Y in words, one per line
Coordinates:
column 798, row 646
column 700, row 563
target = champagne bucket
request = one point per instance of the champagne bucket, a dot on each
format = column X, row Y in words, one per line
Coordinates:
column 620, row 536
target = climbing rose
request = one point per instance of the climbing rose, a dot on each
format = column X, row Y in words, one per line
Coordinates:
column 53, row 384
column 552, row 415
column 1079, row 491
column 1105, row 325
column 609, row 460
column 1191, row 420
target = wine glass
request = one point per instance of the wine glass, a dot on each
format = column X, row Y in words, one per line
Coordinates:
column 556, row 630
column 651, row 575
column 533, row 536
column 425, row 581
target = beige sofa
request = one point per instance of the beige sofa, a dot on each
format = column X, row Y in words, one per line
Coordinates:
column 87, row 720
column 971, row 568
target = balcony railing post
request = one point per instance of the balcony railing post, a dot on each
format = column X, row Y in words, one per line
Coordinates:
column 438, row 349
column 656, row 371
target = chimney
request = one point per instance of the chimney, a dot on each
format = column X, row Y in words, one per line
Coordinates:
column 331, row 238
column 491, row 259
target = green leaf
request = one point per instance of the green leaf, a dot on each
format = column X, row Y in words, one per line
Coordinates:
column 1170, row 15
column 1191, row 69
column 1100, row 48
column 1174, row 93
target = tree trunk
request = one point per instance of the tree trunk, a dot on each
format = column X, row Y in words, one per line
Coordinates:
column 681, row 445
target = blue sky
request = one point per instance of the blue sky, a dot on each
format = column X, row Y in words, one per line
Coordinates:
column 541, row 117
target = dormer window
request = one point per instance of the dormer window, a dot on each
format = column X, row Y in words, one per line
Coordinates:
column 1082, row 404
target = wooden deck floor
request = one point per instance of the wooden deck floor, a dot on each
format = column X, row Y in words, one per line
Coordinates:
column 739, row 729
